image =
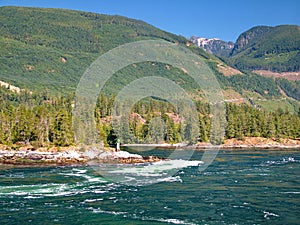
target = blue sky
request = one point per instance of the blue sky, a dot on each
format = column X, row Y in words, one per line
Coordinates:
column 217, row 18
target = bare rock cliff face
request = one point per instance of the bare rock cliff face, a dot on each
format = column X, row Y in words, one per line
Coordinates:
column 214, row 46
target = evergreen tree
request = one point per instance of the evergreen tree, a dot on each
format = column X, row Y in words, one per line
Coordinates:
column 156, row 130
column 61, row 132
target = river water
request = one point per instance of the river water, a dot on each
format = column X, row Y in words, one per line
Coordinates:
column 239, row 187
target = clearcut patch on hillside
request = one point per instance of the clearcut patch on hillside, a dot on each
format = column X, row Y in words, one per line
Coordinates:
column 286, row 75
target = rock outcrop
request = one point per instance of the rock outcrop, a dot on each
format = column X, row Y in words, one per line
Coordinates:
column 214, row 45
column 41, row 157
column 122, row 157
column 28, row 156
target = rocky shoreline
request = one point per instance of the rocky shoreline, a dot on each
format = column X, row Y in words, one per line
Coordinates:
column 27, row 155
column 261, row 143
column 124, row 157
column 70, row 156
column 234, row 143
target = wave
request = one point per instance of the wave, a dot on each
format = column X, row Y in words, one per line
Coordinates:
column 143, row 218
column 283, row 161
column 175, row 221
column 143, row 174
column 156, row 168
column 49, row 190
column 170, row 179
column 98, row 210
column 164, row 220
column 93, row 200
column 59, row 189
column 268, row 214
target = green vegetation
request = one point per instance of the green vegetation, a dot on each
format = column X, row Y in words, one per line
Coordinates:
column 46, row 121
column 244, row 121
column 46, row 51
column 51, row 48
column 291, row 88
column 35, row 119
column 266, row 87
column 269, row 48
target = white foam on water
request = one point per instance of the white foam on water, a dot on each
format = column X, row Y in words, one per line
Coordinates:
column 170, row 179
column 82, row 173
column 146, row 173
column 96, row 180
column 268, row 214
column 284, row 160
column 289, row 159
column 14, row 175
column 28, row 189
column 17, row 193
column 99, row 191
column 93, row 200
column 171, row 220
column 52, row 189
column 79, row 170
column 32, row 197
column 238, row 206
column 98, row 210
column 63, row 193
column 13, row 210
column 156, row 168
column 174, row 221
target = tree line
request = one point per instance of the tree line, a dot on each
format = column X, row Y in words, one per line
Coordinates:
column 41, row 120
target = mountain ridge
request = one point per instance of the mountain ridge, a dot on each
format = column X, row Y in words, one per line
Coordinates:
column 269, row 48
column 214, row 46
column 49, row 50
column 35, row 40
column 248, row 38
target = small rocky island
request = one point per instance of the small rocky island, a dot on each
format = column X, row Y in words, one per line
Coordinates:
column 70, row 155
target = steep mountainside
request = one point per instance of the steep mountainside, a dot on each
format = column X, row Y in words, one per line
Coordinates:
column 274, row 49
column 214, row 46
column 249, row 38
column 270, row 48
column 49, row 50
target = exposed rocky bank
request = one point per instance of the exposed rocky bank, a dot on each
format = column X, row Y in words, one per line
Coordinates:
column 27, row 155
column 66, row 156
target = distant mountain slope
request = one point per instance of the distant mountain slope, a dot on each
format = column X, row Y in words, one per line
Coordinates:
column 214, row 46
column 274, row 49
column 270, row 48
column 249, row 38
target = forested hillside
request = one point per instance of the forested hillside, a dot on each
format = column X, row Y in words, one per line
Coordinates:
column 41, row 120
column 51, row 48
column 269, row 48
column 46, row 51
